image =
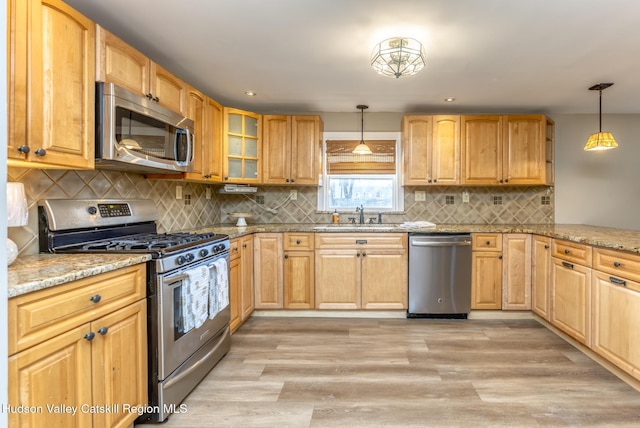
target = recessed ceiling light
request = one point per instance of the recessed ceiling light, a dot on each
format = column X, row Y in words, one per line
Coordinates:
column 250, row 93
column 449, row 99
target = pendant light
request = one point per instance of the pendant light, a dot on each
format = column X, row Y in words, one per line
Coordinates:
column 362, row 148
column 600, row 140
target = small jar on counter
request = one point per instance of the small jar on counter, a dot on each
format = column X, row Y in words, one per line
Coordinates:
column 335, row 218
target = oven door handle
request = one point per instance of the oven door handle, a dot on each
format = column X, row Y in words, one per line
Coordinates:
column 176, row 278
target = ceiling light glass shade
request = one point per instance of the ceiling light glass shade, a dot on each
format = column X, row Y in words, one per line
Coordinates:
column 362, row 149
column 398, row 56
column 601, row 141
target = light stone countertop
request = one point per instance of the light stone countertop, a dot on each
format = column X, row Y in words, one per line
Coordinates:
column 32, row 273
column 36, row 272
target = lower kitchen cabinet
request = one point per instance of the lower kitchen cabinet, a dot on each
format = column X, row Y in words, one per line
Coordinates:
column 516, row 271
column 80, row 353
column 571, row 299
column 241, row 292
column 616, row 315
column 486, row 271
column 268, row 270
column 299, row 271
column 361, row 271
column 541, row 276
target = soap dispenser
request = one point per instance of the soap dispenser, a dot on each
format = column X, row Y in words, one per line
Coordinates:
column 335, row 218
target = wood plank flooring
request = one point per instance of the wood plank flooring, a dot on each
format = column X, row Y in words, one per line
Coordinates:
column 330, row 372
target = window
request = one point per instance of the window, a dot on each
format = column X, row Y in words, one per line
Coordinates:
column 372, row 181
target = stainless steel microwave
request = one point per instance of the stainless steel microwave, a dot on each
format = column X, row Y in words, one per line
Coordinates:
column 134, row 133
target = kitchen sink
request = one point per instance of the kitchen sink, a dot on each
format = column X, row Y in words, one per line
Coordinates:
column 355, row 227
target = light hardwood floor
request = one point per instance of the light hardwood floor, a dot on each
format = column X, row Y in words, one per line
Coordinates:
column 323, row 372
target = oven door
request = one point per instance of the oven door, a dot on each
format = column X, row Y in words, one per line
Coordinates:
column 175, row 345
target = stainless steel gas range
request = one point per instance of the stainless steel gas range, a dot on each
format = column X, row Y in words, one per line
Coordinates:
column 184, row 345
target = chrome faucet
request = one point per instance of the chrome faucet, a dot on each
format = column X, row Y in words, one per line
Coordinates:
column 361, row 211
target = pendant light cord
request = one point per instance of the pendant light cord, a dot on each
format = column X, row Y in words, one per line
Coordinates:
column 600, row 116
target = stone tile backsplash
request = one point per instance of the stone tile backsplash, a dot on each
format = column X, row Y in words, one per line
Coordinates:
column 487, row 205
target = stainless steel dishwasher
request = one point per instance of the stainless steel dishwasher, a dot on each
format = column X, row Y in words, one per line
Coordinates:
column 439, row 275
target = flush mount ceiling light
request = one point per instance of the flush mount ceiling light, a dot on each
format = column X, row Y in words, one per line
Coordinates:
column 250, row 93
column 600, row 140
column 398, row 56
column 362, row 148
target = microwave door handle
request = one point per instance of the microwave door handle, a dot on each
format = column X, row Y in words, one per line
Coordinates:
column 189, row 144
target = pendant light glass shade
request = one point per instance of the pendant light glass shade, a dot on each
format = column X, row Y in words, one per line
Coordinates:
column 398, row 56
column 362, row 148
column 600, row 140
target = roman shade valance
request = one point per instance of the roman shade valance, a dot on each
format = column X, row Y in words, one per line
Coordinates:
column 340, row 160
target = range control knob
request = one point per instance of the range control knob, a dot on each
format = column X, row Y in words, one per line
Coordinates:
column 181, row 260
column 204, row 252
column 190, row 257
column 219, row 248
column 92, row 210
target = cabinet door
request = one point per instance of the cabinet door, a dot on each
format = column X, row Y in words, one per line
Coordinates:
column 170, row 91
column 247, row 288
column 416, row 143
column 119, row 63
column 481, row 142
column 445, row 150
column 268, row 271
column 541, row 276
column 276, row 146
column 571, row 299
column 56, row 372
column 212, row 144
column 196, row 112
column 235, row 299
column 337, row 279
column 524, row 149
column 299, row 275
column 616, row 312
column 119, row 363
column 516, row 271
column 242, row 148
column 384, row 279
column 306, row 145
column 52, row 85
column 486, row 280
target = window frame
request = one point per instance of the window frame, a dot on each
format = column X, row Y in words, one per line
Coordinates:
column 323, row 204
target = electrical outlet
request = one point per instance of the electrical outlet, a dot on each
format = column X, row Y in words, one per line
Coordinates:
column 420, row 195
column 178, row 192
column 208, row 193
column 465, row 197
column 293, row 195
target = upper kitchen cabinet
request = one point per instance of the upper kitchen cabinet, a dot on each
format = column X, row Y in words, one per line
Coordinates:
column 51, row 85
column 509, row 149
column 292, row 149
column 242, row 151
column 118, row 62
column 207, row 118
column 431, row 150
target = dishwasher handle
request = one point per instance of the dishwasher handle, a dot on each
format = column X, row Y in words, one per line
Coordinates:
column 418, row 243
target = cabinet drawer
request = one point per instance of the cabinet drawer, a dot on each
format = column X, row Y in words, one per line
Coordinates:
column 40, row 315
column 234, row 250
column 571, row 251
column 617, row 263
column 298, row 241
column 486, row 242
column 386, row 241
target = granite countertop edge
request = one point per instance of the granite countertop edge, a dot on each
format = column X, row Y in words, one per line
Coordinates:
column 40, row 271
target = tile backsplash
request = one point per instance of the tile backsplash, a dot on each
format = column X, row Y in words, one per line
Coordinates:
column 442, row 205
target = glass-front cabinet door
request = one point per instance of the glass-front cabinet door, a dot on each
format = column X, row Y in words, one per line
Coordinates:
column 241, row 146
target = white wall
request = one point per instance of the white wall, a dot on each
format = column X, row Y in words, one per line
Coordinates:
column 597, row 188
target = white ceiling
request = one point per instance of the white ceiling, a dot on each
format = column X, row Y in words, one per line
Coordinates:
column 313, row 55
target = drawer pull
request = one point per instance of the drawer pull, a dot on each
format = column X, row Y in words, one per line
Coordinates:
column 487, row 243
column 364, row 254
column 96, row 298
column 618, row 281
column 286, row 256
column 567, row 251
column 567, row 265
column 616, row 264
column 546, row 247
column 103, row 330
column 358, row 255
column 89, row 336
column 298, row 241
column 361, row 241
column 500, row 257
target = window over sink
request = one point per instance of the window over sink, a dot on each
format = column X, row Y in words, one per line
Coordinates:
column 351, row 180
